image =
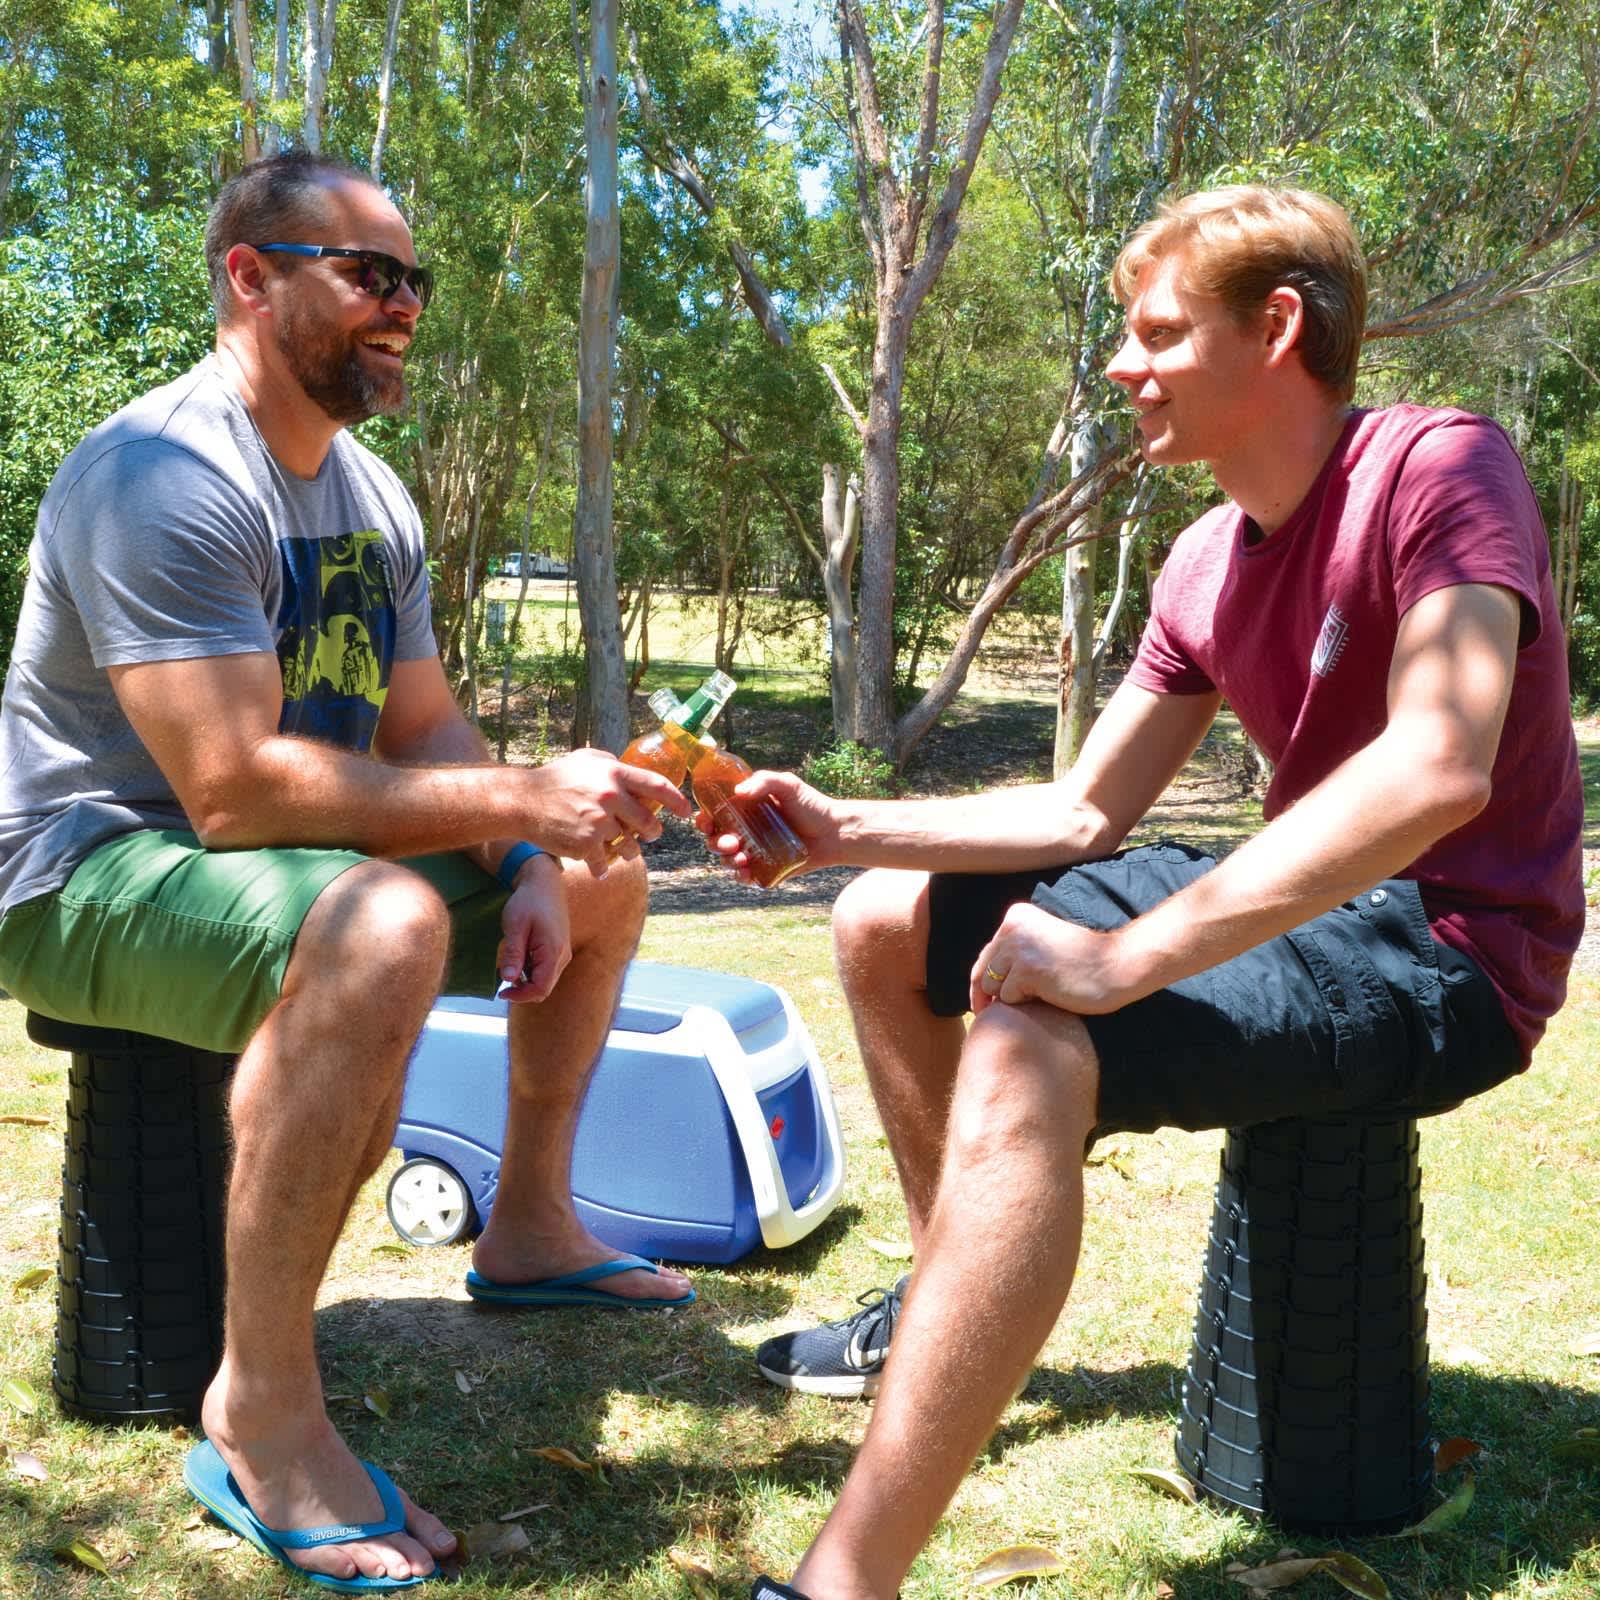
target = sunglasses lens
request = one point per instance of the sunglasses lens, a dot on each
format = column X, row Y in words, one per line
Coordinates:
column 382, row 276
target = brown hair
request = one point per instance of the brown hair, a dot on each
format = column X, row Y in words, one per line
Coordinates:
column 1241, row 243
column 274, row 200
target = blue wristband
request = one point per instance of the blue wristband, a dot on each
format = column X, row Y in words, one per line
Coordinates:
column 511, row 862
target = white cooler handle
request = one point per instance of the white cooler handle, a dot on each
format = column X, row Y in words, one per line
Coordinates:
column 781, row 1223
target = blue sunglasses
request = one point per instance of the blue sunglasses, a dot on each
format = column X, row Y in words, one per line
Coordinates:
column 380, row 276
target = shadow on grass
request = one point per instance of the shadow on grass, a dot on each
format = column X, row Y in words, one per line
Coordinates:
column 734, row 1439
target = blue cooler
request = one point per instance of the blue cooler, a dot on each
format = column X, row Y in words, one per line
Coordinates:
column 709, row 1125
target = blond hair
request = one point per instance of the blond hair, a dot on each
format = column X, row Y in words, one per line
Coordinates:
column 1242, row 242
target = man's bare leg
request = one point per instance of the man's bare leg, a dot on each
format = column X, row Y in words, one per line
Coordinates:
column 997, row 1260
column 533, row 1231
column 313, row 1107
column 880, row 939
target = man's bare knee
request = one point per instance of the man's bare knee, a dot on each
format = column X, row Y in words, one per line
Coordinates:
column 379, row 924
column 608, row 912
column 1028, row 1072
column 880, row 924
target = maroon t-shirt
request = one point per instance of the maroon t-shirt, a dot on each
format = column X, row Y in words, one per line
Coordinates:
column 1297, row 631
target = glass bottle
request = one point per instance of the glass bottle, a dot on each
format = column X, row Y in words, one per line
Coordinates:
column 655, row 751
column 774, row 848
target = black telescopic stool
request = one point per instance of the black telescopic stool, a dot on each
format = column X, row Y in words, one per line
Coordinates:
column 1306, row 1399
column 143, row 1185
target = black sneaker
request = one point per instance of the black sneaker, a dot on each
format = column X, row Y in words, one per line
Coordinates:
column 839, row 1358
column 770, row 1589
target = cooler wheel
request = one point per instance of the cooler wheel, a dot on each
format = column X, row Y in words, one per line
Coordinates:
column 429, row 1204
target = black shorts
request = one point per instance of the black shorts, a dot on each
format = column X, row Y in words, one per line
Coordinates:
column 1358, row 1010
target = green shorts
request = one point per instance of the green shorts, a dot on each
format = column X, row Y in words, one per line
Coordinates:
column 156, row 934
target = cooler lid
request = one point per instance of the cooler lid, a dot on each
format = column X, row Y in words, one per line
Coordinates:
column 655, row 995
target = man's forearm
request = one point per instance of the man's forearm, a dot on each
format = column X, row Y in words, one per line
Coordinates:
column 296, row 791
column 1367, row 821
column 1003, row 830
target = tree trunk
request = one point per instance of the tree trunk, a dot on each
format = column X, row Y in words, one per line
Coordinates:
column 593, row 549
column 841, row 526
column 280, row 75
column 391, row 40
column 880, row 499
column 1076, row 684
column 318, row 58
column 250, row 142
column 909, row 245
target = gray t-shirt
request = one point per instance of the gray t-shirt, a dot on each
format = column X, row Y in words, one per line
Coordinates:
column 172, row 533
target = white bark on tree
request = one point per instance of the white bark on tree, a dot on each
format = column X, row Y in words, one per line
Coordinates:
column 280, row 75
column 841, row 531
column 909, row 247
column 317, row 58
column 250, row 141
column 391, row 41
column 1075, row 683
column 593, row 548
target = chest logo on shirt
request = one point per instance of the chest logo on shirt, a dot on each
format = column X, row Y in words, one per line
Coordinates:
column 336, row 636
column 1330, row 642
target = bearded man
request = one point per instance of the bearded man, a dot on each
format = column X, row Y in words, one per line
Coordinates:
column 241, row 809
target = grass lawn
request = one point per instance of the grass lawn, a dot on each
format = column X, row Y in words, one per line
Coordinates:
column 703, row 1459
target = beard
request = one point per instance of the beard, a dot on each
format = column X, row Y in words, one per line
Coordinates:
column 327, row 364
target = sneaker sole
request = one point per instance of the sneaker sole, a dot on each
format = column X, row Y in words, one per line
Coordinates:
column 842, row 1388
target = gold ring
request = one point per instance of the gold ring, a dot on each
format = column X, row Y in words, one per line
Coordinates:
column 998, row 977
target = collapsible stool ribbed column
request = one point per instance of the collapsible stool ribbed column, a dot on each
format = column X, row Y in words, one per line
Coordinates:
column 1306, row 1398
column 143, row 1184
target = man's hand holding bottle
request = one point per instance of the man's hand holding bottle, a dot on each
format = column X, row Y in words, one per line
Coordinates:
column 810, row 814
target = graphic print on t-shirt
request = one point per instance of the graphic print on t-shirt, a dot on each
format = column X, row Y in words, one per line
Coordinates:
column 1330, row 642
column 336, row 636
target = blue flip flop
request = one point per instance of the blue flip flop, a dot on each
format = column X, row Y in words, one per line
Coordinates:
column 572, row 1289
column 209, row 1481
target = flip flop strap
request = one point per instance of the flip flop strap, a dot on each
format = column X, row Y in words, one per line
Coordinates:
column 601, row 1269
column 392, row 1521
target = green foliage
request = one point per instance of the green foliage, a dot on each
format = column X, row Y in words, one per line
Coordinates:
column 106, row 303
column 851, row 771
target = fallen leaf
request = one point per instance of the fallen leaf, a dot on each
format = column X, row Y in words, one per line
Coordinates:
column 1168, row 1482
column 1451, row 1452
column 490, row 1540
column 378, row 1402
column 894, row 1249
column 81, row 1553
column 26, row 1122
column 1355, row 1575
column 702, row 1582
column 390, row 1250
column 220, row 1541
column 1278, row 1574
column 1119, row 1160
column 564, row 1457
column 31, row 1279
column 463, row 1382
column 1587, row 1346
column 1449, row 1514
column 523, row 1511
column 27, row 1465
column 20, row 1393
column 1582, row 1449
column 1017, row 1561
column 1164, row 1591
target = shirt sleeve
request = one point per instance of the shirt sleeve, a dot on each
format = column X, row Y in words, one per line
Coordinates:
column 163, row 558
column 1164, row 665
column 1464, row 512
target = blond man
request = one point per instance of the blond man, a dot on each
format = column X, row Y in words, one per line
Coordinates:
column 1373, row 598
